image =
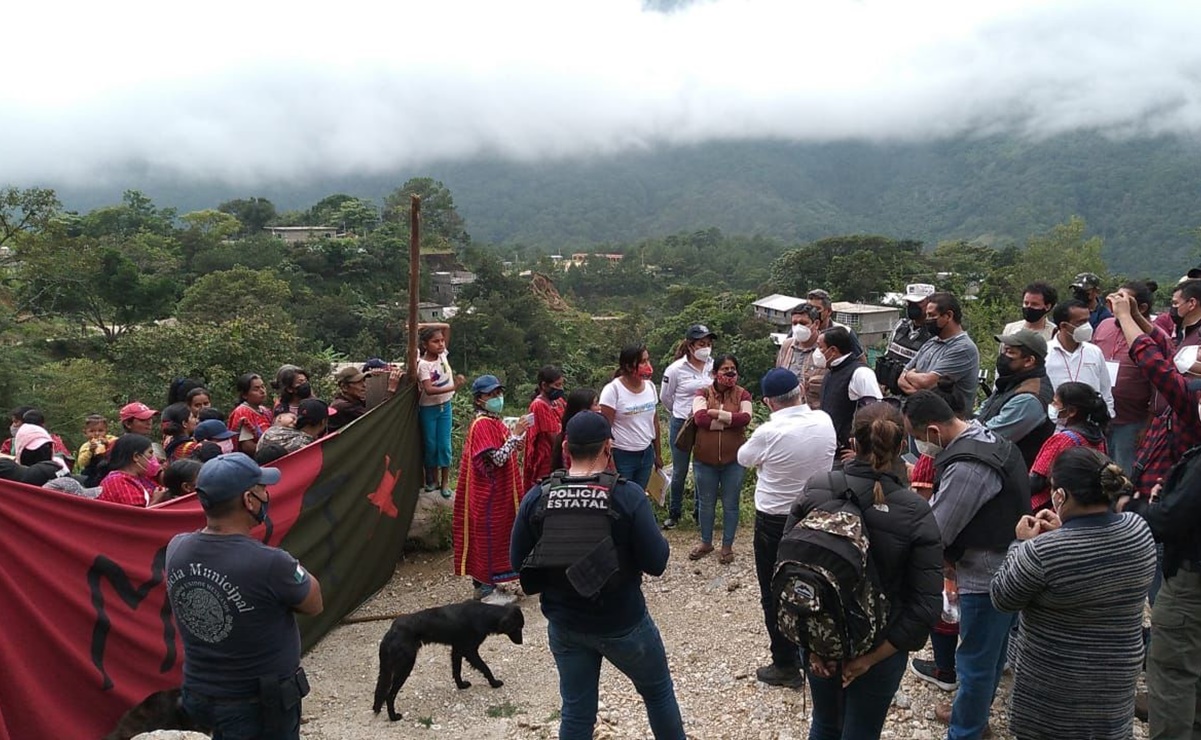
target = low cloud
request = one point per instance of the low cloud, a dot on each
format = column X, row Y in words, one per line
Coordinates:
column 248, row 95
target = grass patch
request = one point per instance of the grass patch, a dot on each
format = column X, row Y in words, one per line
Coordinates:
column 554, row 716
column 426, row 722
column 506, row 710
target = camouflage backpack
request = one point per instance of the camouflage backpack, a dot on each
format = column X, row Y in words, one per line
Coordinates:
column 828, row 596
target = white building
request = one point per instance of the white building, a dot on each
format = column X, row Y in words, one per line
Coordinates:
column 777, row 309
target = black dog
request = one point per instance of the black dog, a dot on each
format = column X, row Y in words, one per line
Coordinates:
column 463, row 626
column 162, row 710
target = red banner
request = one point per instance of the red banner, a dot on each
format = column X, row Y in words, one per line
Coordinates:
column 87, row 632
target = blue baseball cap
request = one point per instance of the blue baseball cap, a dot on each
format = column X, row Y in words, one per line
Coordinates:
column 230, row 475
column 485, row 384
column 213, row 429
column 588, row 427
column 778, row 381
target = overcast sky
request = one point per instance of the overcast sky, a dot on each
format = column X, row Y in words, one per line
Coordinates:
column 249, row 91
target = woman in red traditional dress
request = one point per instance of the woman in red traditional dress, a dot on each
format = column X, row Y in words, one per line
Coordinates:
column 547, row 412
column 487, row 494
column 251, row 418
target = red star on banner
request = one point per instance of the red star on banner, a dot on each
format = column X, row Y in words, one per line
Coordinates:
column 381, row 497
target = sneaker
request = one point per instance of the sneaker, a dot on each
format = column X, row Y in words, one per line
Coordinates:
column 499, row 598
column 775, row 675
column 670, row 522
column 446, row 492
column 482, row 591
column 932, row 674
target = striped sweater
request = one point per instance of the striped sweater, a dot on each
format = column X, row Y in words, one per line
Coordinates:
column 1080, row 590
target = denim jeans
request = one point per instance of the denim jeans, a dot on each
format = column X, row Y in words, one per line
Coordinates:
column 983, row 636
column 679, row 470
column 769, row 528
column 635, row 467
column 1120, row 443
column 238, row 719
column 858, row 712
column 435, row 435
column 711, row 481
column 638, row 653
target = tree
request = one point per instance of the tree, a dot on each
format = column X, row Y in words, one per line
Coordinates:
column 136, row 213
column 218, row 353
column 68, row 390
column 26, row 211
column 107, row 284
column 237, row 293
column 849, row 267
column 252, row 213
column 442, row 227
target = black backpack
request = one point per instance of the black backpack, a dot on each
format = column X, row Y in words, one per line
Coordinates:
column 829, row 600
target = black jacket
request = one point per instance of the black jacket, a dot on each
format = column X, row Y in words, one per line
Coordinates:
column 906, row 548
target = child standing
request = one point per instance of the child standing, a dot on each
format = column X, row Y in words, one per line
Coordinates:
column 488, row 493
column 438, row 385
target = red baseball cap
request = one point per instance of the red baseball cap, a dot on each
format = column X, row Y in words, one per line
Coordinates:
column 136, row 411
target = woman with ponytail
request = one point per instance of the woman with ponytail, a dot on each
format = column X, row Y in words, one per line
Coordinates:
column 1081, row 420
column 1079, row 575
column 906, row 551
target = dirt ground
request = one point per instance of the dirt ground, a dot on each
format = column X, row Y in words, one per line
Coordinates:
column 712, row 626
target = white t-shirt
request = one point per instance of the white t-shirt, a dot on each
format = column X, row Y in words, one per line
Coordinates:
column 789, row 448
column 1085, row 365
column 440, row 373
column 634, row 414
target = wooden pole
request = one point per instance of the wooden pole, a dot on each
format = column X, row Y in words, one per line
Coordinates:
column 414, row 283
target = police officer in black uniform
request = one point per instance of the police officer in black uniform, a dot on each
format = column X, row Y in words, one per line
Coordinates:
column 583, row 539
column 907, row 337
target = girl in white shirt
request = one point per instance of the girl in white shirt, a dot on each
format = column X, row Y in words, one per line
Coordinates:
column 438, row 385
column 628, row 402
column 691, row 372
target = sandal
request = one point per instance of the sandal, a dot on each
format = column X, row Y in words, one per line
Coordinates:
column 726, row 557
column 700, row 551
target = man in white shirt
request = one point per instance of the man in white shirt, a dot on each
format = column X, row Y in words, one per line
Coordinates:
column 795, row 444
column 849, row 384
column 1071, row 355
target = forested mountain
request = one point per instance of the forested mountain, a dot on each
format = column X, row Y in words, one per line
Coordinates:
column 1139, row 195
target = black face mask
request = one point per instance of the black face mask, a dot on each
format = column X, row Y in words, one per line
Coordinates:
column 1005, row 367
column 304, row 390
column 1081, row 295
column 555, row 394
column 1033, row 315
column 1177, row 319
column 933, row 328
column 915, row 312
column 261, row 516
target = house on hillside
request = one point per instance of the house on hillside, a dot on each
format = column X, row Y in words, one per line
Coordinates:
column 445, row 285
column 873, row 324
column 297, row 234
column 777, row 309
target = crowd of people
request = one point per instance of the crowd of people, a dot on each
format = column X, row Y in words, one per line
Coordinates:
column 1021, row 529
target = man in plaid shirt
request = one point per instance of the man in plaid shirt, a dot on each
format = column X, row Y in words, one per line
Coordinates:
column 1178, row 427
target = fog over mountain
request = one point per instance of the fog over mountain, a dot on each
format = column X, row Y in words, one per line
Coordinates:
column 260, row 95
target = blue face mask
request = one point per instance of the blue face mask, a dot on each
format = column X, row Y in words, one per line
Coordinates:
column 496, row 404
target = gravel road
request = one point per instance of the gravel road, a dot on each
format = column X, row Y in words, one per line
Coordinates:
column 711, row 623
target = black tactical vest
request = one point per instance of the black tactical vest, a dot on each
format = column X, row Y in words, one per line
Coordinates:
column 575, row 549
column 992, row 526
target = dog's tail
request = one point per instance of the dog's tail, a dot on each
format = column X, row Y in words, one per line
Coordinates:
column 385, row 678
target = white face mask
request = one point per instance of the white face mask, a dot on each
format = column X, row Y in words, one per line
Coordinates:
column 702, row 353
column 929, row 449
column 1185, row 359
column 801, row 333
column 819, row 359
column 1083, row 333
column 1052, row 413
